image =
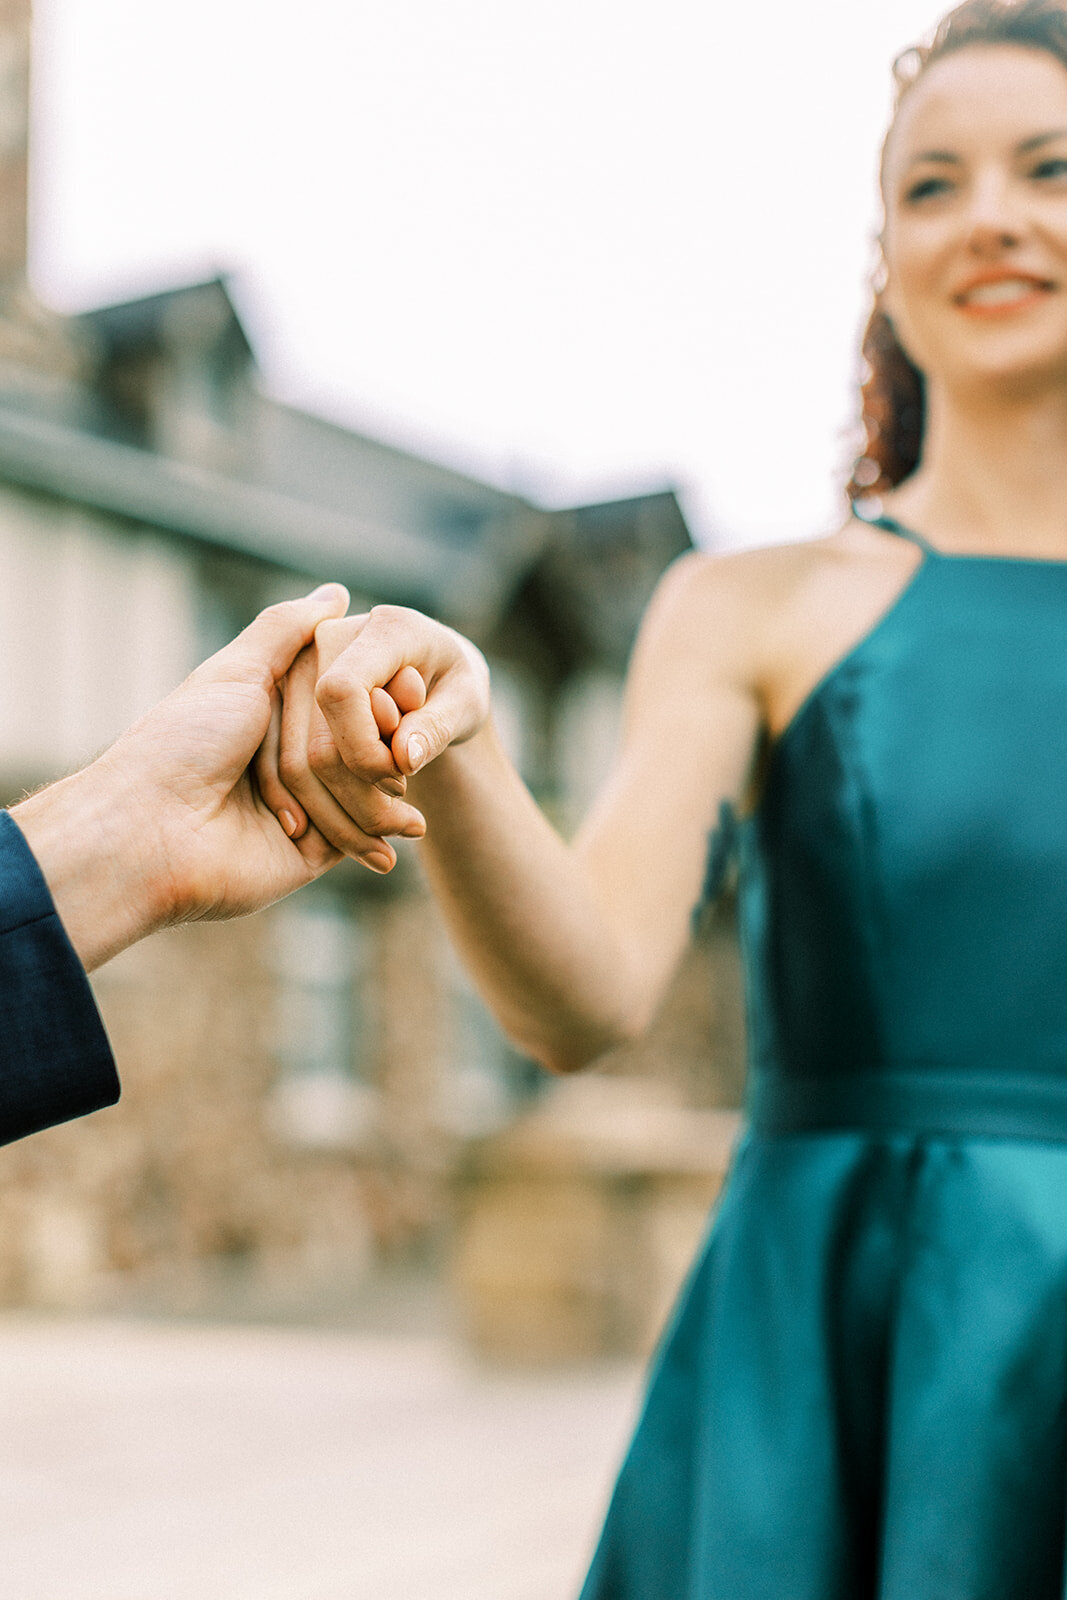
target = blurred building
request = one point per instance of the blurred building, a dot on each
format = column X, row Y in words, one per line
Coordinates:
column 300, row 1088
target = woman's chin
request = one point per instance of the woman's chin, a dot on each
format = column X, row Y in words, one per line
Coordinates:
column 1013, row 377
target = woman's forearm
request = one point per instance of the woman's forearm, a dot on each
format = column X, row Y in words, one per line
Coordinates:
column 522, row 909
column 571, row 947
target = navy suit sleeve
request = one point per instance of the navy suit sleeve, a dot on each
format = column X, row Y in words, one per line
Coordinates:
column 55, row 1059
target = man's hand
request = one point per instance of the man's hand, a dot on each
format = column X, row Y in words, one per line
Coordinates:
column 168, row 824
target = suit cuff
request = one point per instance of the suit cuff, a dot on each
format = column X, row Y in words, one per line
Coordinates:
column 55, row 1059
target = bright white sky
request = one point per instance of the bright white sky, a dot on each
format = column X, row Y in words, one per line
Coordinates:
column 581, row 247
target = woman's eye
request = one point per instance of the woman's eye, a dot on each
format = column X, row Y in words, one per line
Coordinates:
column 926, row 189
column 1053, row 167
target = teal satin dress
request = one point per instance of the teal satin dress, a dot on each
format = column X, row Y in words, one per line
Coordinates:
column 863, row 1392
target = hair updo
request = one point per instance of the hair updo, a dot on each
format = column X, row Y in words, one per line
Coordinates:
column 893, row 391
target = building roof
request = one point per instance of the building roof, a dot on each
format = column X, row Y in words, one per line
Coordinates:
column 203, row 312
column 218, row 510
column 292, row 489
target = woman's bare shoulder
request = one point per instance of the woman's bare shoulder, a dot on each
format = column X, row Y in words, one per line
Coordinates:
column 738, row 589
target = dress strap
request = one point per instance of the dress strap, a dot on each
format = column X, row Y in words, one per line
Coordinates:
column 892, row 526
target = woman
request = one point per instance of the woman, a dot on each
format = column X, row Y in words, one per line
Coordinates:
column 864, row 1391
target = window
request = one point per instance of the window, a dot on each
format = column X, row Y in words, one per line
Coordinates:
column 317, row 955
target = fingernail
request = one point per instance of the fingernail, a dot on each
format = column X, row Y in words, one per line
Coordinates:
column 328, row 591
column 394, row 786
column 418, row 750
column 288, row 822
column 378, row 861
column 413, row 830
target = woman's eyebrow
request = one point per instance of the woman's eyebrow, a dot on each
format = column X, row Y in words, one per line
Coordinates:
column 1041, row 138
column 950, row 158
column 942, row 156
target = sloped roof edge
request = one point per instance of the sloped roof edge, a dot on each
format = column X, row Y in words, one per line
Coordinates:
column 438, row 473
column 205, row 506
column 124, row 321
column 663, row 503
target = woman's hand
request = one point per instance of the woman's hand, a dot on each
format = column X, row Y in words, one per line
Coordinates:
column 375, row 700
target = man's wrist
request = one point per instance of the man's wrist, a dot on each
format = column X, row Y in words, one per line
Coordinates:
column 90, row 844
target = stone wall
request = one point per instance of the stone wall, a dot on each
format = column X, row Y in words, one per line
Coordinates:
column 191, row 1171
column 200, row 1175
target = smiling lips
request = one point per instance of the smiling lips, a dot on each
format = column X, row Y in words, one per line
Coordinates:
column 1000, row 294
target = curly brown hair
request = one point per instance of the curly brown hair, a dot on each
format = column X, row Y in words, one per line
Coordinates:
column 892, row 388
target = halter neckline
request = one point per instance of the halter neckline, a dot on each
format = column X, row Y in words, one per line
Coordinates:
column 891, row 525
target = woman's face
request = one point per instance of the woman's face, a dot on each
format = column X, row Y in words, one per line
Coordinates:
column 975, row 182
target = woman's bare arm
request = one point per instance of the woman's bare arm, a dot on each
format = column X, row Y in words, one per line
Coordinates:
column 572, row 945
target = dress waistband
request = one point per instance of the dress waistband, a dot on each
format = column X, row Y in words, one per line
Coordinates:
column 921, row 1100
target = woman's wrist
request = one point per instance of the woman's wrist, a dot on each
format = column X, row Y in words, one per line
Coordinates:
column 458, row 765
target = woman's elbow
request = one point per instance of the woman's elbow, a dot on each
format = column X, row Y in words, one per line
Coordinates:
column 580, row 1047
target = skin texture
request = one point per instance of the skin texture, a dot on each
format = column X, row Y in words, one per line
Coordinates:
column 168, row 825
column 573, row 944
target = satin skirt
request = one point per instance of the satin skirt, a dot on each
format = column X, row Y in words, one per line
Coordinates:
column 863, row 1392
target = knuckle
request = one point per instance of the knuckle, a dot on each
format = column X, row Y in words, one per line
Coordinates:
column 291, row 766
column 392, row 614
column 437, row 732
column 331, row 631
column 472, row 659
column 322, row 754
column 335, row 635
column 331, row 691
column 329, row 643
column 373, row 812
column 385, row 814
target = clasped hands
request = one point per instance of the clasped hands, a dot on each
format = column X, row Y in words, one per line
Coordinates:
column 290, row 747
column 366, row 706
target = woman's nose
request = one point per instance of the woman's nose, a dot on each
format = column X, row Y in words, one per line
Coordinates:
column 994, row 219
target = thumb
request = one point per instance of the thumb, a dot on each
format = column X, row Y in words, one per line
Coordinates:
column 424, row 734
column 267, row 648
